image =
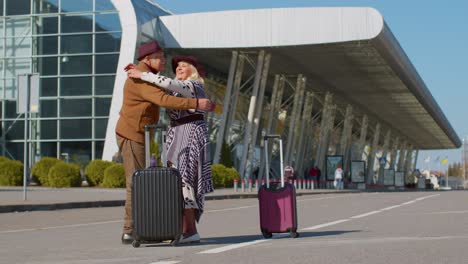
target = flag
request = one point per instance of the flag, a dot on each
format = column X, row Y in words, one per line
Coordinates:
column 444, row 161
column 428, row 159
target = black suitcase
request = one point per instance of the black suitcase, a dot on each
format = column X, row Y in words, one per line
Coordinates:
column 157, row 201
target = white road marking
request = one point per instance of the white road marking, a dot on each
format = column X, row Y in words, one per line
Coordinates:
column 326, row 224
column 365, row 214
column 230, row 209
column 165, row 262
column 58, row 227
column 244, row 244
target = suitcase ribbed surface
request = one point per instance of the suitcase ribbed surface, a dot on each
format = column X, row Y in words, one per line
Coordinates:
column 157, row 204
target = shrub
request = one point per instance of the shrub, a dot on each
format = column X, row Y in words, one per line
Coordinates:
column 222, row 176
column 64, row 175
column 226, row 158
column 218, row 172
column 11, row 173
column 95, row 171
column 40, row 169
column 231, row 174
column 114, row 176
column 3, row 158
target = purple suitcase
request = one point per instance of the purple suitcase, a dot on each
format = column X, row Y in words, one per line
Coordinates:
column 277, row 201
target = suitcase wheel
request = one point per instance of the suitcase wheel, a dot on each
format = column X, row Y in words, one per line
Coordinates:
column 136, row 243
column 267, row 234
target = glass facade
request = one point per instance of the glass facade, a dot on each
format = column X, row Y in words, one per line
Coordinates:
column 74, row 46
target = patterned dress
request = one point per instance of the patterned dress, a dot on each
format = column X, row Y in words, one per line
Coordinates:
column 188, row 145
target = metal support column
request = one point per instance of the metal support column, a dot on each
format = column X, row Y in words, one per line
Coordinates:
column 258, row 113
column 363, row 135
column 235, row 95
column 401, row 156
column 277, row 96
column 324, row 124
column 393, row 155
column 305, row 124
column 250, row 115
column 292, row 130
column 226, row 108
column 371, row 157
column 346, row 136
column 385, row 148
column 415, row 161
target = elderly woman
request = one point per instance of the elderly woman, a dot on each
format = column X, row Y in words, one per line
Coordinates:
column 187, row 138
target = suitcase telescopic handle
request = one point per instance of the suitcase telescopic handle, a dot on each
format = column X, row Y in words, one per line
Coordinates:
column 267, row 167
column 148, row 128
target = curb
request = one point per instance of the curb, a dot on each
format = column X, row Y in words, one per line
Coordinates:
column 113, row 203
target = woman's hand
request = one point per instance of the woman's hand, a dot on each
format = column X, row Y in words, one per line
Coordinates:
column 134, row 73
column 206, row 105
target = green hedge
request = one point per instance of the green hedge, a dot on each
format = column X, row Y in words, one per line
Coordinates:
column 40, row 169
column 114, row 176
column 64, row 175
column 223, row 177
column 11, row 173
column 3, row 158
column 95, row 171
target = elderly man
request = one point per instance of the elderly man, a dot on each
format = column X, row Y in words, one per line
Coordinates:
column 141, row 102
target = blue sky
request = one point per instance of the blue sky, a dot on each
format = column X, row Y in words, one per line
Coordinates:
column 434, row 35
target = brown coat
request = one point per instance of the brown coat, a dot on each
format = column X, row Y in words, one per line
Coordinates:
column 141, row 102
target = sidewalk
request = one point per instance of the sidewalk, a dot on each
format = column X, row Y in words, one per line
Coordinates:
column 44, row 198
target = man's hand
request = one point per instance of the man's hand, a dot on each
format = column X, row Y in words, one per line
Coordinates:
column 206, row 105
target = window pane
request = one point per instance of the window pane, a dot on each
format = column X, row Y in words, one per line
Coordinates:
column 76, row 64
column 18, row 47
column 106, row 63
column 99, row 149
column 78, row 152
column 100, row 126
column 76, row 5
column 48, row 66
column 75, row 86
column 49, row 149
column 77, row 44
column 48, row 87
column 102, row 106
column 46, row 6
column 104, row 5
column 108, row 42
column 81, row 23
column 10, row 89
column 47, row 45
column 17, row 66
column 75, row 107
column 10, row 109
column 48, row 108
column 1, row 7
column 104, row 85
column 75, row 129
column 18, row 26
column 16, row 150
column 16, row 131
column 48, row 129
column 18, row 7
column 108, row 22
column 47, row 25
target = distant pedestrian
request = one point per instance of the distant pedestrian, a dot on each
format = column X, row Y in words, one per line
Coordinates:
column 339, row 178
column 289, row 172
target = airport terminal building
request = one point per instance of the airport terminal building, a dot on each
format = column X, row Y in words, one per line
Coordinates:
column 334, row 82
